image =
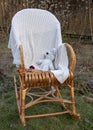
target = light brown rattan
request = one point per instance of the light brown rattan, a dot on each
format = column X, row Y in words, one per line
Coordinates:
column 34, row 79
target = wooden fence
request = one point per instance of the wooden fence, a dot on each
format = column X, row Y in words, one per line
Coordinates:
column 74, row 19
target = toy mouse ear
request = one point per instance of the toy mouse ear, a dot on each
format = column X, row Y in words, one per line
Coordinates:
column 53, row 51
column 44, row 55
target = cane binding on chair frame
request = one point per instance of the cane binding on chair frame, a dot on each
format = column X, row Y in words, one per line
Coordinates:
column 42, row 79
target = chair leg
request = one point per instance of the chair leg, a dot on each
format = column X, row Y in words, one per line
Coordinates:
column 22, row 106
column 58, row 94
column 73, row 101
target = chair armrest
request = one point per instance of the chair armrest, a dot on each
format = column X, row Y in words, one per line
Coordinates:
column 72, row 60
column 22, row 57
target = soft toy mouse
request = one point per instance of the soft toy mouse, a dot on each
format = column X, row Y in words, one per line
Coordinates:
column 47, row 63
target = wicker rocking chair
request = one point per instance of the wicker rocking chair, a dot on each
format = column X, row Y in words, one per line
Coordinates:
column 32, row 79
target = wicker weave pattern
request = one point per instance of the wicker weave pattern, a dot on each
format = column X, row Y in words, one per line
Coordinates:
column 37, row 78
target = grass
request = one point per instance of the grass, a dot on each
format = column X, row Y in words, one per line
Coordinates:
column 9, row 118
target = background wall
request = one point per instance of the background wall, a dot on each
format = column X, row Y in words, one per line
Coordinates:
column 75, row 16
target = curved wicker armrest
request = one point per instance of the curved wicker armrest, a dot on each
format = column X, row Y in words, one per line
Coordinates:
column 72, row 60
column 21, row 57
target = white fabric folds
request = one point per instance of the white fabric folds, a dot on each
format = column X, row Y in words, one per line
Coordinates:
column 38, row 31
column 61, row 64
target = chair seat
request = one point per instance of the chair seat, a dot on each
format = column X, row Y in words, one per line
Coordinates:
column 37, row 78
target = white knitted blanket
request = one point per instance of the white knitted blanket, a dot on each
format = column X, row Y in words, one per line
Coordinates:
column 38, row 31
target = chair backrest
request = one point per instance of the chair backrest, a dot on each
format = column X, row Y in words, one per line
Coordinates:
column 37, row 30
